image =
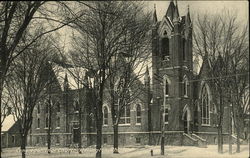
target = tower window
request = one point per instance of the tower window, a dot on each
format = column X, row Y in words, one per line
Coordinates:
column 38, row 108
column 166, row 88
column 165, row 48
column 183, row 49
column 46, row 122
column 58, row 121
column 185, row 86
column 38, row 123
column 166, row 115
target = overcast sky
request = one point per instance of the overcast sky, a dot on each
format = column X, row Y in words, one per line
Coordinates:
column 199, row 7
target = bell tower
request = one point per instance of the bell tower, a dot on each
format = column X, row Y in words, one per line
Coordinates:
column 172, row 69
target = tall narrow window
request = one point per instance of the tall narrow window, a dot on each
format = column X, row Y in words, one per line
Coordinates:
column 58, row 106
column 138, row 114
column 46, row 122
column 166, row 88
column 125, row 115
column 165, row 48
column 57, row 139
column 105, row 116
column 47, row 108
column 38, row 108
column 58, row 122
column 205, row 107
column 13, row 139
column 185, row 86
column 166, row 115
column 38, row 123
column 183, row 49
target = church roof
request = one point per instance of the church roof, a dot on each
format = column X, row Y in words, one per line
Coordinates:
column 74, row 76
column 8, row 122
column 170, row 10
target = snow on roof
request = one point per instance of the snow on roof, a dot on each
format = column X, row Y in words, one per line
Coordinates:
column 8, row 122
column 75, row 76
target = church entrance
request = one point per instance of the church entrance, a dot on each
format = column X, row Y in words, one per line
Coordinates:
column 185, row 123
column 186, row 117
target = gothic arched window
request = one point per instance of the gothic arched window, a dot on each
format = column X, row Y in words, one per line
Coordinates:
column 105, row 116
column 183, row 49
column 38, row 108
column 166, row 115
column 185, row 86
column 166, row 82
column 58, row 121
column 205, row 107
column 38, row 123
column 166, row 88
column 165, row 48
column 138, row 114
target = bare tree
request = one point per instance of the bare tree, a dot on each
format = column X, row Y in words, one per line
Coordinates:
column 239, row 82
column 127, row 68
column 28, row 83
column 100, row 36
column 15, row 18
column 216, row 40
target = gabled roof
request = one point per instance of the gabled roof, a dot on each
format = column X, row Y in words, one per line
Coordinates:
column 8, row 122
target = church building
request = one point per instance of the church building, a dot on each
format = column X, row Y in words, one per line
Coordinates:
column 174, row 96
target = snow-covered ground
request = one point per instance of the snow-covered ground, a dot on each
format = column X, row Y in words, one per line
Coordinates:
column 131, row 152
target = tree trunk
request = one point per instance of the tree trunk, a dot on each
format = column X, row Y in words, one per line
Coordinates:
column 23, row 145
column 230, row 131
column 1, row 121
column 98, row 138
column 80, row 129
column 220, row 140
column 162, row 144
column 49, row 140
column 1, row 90
column 238, row 139
column 49, row 129
column 99, row 130
column 115, row 127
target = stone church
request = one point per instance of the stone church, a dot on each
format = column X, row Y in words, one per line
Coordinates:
column 174, row 97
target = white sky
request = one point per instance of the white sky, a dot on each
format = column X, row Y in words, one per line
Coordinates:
column 199, row 7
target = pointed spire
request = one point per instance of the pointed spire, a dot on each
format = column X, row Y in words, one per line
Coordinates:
column 170, row 10
column 176, row 7
column 86, row 80
column 146, row 77
column 155, row 15
column 176, row 15
column 188, row 19
column 66, row 83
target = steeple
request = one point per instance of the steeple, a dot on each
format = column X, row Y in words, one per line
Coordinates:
column 170, row 10
column 66, row 83
column 176, row 7
column 188, row 19
column 146, row 77
column 155, row 16
column 85, row 80
column 176, row 15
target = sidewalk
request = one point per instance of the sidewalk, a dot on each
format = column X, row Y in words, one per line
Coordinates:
column 131, row 152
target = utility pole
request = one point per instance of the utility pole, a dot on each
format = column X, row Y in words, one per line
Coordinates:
column 163, row 120
column 230, row 129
